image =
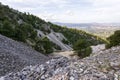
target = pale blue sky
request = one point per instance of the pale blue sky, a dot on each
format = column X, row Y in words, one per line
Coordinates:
column 70, row 11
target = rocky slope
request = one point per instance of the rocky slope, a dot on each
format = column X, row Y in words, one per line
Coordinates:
column 16, row 55
column 56, row 38
column 104, row 65
column 43, row 36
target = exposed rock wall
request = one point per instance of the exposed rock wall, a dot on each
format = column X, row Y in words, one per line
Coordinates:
column 56, row 38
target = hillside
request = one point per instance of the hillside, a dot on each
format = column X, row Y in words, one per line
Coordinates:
column 26, row 42
column 44, row 37
column 16, row 55
column 104, row 65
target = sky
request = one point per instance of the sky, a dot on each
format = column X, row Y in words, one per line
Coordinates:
column 70, row 11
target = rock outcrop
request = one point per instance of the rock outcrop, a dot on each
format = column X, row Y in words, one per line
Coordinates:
column 56, row 38
column 102, row 66
column 98, row 48
column 16, row 55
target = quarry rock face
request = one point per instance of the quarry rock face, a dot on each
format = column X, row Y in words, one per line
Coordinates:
column 102, row 66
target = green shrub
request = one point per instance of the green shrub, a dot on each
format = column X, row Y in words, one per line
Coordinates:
column 88, row 51
column 44, row 46
column 7, row 29
column 114, row 39
column 82, row 47
column 65, row 41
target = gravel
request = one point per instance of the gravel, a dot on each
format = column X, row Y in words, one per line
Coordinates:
column 102, row 66
column 14, row 56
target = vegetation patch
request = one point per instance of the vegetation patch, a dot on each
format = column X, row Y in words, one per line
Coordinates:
column 114, row 39
column 82, row 48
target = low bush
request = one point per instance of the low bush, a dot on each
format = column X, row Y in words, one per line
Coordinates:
column 82, row 48
column 114, row 39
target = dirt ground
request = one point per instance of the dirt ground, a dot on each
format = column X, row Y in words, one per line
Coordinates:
column 68, row 54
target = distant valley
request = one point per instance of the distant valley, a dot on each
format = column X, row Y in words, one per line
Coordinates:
column 103, row 30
